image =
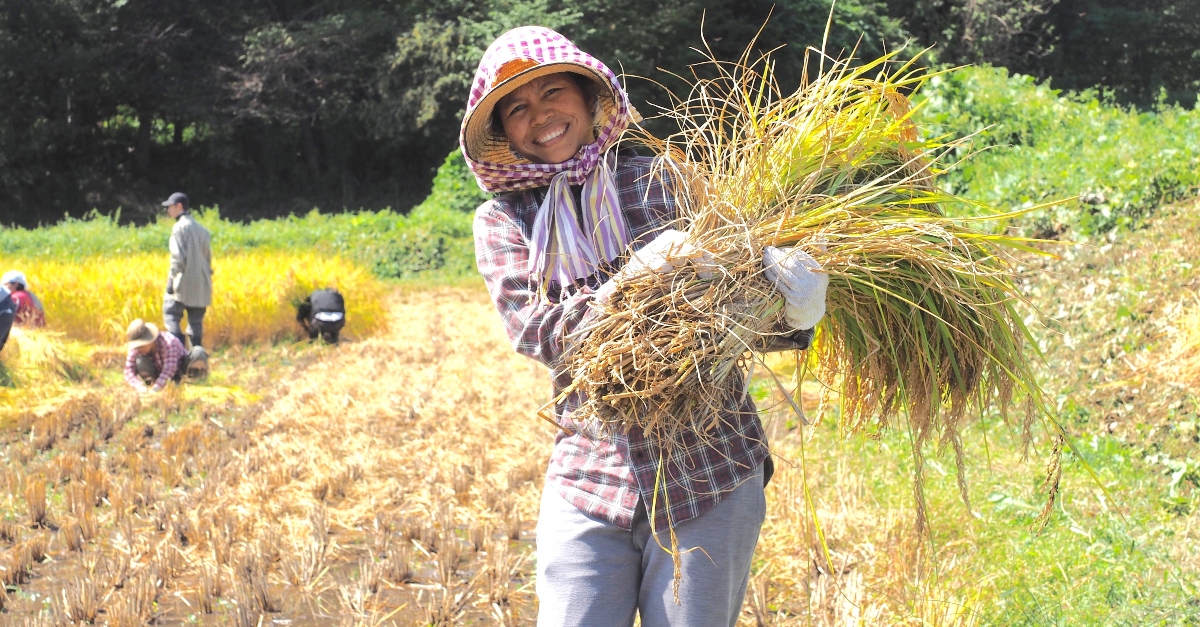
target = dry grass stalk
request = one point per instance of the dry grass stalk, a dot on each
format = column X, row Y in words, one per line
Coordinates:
column 10, row 531
column 921, row 308
column 251, row 588
column 396, row 568
column 210, row 587
column 35, row 501
column 133, row 604
column 80, row 597
column 71, row 535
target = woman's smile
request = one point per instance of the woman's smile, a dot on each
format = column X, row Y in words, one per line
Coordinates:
column 547, row 120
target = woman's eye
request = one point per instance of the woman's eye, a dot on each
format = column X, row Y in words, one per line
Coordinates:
column 552, row 91
column 515, row 110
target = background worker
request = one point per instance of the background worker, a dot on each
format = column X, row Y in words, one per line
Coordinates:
column 322, row 313
column 154, row 358
column 29, row 312
column 8, row 311
column 189, row 281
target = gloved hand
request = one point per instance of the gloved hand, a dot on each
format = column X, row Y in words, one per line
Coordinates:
column 797, row 276
column 664, row 253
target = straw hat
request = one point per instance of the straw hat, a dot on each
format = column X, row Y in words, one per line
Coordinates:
column 140, row 334
column 514, row 59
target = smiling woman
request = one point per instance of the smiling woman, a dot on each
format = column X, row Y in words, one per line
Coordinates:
column 549, row 118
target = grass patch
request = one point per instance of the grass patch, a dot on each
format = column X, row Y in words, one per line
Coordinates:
column 1041, row 144
column 1132, row 562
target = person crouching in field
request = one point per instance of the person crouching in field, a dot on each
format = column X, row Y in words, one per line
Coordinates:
column 323, row 313
column 29, row 312
column 155, row 358
column 541, row 130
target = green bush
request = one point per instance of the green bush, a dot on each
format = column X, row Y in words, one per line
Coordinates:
column 434, row 237
column 1037, row 144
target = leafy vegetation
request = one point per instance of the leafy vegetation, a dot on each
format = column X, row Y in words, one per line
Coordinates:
column 1037, row 144
column 272, row 108
column 434, row 239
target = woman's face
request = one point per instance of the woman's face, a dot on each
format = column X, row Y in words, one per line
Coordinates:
column 547, row 119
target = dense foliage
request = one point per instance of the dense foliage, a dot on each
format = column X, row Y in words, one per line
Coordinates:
column 1115, row 164
column 1112, row 164
column 434, row 238
column 269, row 108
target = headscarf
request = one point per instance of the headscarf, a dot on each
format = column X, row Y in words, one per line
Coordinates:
column 561, row 249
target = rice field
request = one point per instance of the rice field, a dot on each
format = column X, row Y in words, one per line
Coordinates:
column 394, row 480
column 256, row 293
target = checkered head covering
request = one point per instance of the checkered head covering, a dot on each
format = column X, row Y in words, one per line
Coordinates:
column 562, row 249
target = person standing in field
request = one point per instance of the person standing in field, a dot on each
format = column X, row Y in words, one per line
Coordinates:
column 29, row 312
column 189, row 281
column 541, row 130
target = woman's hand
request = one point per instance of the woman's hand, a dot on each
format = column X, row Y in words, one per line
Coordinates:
column 664, row 253
column 799, row 278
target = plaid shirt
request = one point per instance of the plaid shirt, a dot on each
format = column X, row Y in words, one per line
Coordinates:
column 167, row 352
column 605, row 475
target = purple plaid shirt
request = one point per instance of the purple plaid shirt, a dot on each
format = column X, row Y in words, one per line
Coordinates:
column 167, row 351
column 604, row 475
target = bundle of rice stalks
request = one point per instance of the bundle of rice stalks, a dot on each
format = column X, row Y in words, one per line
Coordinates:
column 38, row 356
column 921, row 308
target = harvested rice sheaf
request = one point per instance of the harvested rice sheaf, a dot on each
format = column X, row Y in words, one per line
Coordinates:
column 922, row 311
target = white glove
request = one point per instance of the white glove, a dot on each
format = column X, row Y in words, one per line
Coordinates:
column 796, row 275
column 664, row 253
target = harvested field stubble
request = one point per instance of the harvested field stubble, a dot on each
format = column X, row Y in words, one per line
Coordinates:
column 432, row 429
column 381, row 482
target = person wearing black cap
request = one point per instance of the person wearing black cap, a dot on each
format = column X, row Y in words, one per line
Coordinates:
column 189, row 281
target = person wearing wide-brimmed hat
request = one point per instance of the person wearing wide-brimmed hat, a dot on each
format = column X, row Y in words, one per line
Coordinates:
column 541, row 130
column 154, row 358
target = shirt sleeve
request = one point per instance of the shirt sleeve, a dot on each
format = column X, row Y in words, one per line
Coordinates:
column 131, row 376
column 536, row 329
column 178, row 251
column 170, row 364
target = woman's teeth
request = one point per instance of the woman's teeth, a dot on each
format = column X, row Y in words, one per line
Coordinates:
column 552, row 136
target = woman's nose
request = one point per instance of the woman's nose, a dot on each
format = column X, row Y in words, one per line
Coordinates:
column 539, row 113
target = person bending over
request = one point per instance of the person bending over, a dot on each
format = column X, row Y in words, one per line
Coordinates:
column 154, row 358
column 323, row 313
column 541, row 130
column 29, row 312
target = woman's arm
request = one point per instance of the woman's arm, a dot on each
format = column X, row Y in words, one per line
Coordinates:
column 536, row 329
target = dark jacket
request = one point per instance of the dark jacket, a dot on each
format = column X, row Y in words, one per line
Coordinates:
column 327, row 300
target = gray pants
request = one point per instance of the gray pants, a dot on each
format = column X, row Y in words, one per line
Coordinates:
column 173, row 311
column 592, row 573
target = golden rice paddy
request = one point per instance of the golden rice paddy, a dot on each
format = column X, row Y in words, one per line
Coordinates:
column 255, row 294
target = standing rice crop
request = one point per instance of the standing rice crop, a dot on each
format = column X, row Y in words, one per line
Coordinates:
column 254, row 294
column 922, row 313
